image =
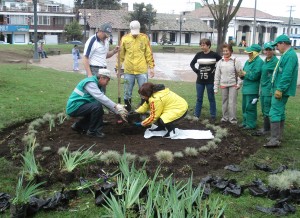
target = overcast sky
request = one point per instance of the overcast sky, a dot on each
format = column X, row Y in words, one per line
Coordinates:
column 273, row 7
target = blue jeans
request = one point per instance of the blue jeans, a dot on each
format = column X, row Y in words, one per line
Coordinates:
column 129, row 81
column 211, row 97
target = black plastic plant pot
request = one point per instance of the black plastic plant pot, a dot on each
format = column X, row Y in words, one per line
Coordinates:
column 133, row 117
column 18, row 210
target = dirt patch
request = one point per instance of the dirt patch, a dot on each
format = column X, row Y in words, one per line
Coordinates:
column 10, row 57
column 232, row 150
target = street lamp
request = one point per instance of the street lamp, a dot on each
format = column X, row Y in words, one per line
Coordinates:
column 85, row 17
column 180, row 20
column 150, row 16
column 35, row 17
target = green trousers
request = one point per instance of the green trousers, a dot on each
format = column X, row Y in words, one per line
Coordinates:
column 277, row 111
column 249, row 110
column 265, row 102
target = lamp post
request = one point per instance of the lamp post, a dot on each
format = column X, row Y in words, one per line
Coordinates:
column 85, row 17
column 35, row 17
column 150, row 15
column 180, row 20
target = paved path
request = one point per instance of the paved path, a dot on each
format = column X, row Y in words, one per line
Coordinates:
column 169, row 66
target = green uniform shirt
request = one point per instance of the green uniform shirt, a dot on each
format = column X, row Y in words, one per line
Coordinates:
column 79, row 96
column 285, row 75
column 252, row 77
column 266, row 76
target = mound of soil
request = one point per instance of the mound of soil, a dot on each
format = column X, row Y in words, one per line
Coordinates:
column 12, row 57
column 232, row 150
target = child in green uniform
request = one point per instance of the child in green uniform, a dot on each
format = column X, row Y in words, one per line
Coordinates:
column 265, row 87
column 251, row 75
column 284, row 84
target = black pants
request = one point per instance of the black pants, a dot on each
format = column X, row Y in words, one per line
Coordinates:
column 92, row 116
column 169, row 126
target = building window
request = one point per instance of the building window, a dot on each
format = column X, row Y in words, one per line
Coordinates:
column 19, row 38
column 172, row 37
column 296, row 30
column 291, row 30
column 284, row 30
column 43, row 20
column 187, row 38
column 17, row 19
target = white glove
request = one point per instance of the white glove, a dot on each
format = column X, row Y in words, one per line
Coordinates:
column 254, row 101
column 122, row 111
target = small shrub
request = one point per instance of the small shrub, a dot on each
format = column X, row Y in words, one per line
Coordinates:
column 189, row 151
column 110, row 157
column 217, row 140
column 61, row 150
column 212, row 145
column 188, row 117
column 204, row 149
column 286, row 180
column 209, row 126
column 61, row 117
column 178, row 154
column 28, row 139
column 205, row 122
column 221, row 133
column 143, row 159
column 130, row 157
column 46, row 148
column 164, row 156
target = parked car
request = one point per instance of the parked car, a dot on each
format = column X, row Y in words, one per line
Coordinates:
column 3, row 43
column 75, row 42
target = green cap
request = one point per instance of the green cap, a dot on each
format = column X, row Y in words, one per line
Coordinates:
column 268, row 45
column 252, row 48
column 281, row 38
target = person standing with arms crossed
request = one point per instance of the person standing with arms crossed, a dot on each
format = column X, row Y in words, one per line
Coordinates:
column 284, row 85
column 265, row 87
column 206, row 59
column 96, row 50
column 136, row 55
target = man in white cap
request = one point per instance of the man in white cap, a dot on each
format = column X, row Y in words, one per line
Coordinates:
column 87, row 101
column 96, row 50
column 136, row 55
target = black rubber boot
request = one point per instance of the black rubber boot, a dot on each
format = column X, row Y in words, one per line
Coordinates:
column 275, row 135
column 265, row 130
column 128, row 104
column 281, row 129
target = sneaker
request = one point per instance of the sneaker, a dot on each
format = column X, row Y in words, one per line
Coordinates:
column 78, row 129
column 96, row 134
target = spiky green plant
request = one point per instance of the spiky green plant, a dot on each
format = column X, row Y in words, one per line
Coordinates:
column 61, row 117
column 164, row 156
column 23, row 194
column 178, row 154
column 28, row 139
column 110, row 157
column 285, row 180
column 71, row 160
column 189, row 151
column 143, row 159
column 217, row 140
column 204, row 148
column 211, row 145
column 61, row 150
column 131, row 157
column 29, row 164
column 51, row 119
column 205, row 121
column 221, row 133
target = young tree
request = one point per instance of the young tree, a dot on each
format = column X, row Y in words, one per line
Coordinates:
column 73, row 31
column 98, row 4
column 222, row 11
column 145, row 14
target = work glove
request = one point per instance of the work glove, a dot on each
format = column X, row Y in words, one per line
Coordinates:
column 242, row 73
column 122, row 111
column 138, row 124
column 278, row 94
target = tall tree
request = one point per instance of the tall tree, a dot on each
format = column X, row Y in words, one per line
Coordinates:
column 73, row 31
column 98, row 4
column 145, row 14
column 223, row 12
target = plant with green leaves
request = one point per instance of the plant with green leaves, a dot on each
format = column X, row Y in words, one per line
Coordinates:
column 29, row 164
column 23, row 194
column 71, row 160
column 62, row 117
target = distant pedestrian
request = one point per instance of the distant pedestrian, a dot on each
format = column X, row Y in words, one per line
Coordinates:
column 251, row 77
column 76, row 57
column 41, row 51
column 226, row 76
column 206, row 60
column 284, row 85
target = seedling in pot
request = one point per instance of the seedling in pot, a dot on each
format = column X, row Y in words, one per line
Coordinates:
column 29, row 164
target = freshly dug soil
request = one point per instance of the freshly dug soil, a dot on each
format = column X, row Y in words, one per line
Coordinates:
column 232, row 150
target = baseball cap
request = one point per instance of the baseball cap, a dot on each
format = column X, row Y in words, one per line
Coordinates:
column 104, row 72
column 268, row 45
column 252, row 48
column 281, row 38
column 106, row 28
column 135, row 27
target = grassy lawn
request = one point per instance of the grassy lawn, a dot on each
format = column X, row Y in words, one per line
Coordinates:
column 30, row 93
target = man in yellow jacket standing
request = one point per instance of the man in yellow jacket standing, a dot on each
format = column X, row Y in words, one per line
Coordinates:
column 136, row 56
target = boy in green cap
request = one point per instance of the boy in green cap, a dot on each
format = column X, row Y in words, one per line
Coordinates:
column 251, row 75
column 265, row 87
column 284, row 83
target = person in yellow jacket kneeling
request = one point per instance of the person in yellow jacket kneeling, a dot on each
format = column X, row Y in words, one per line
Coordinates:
column 166, row 107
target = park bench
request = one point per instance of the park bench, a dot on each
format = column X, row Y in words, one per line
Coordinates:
column 52, row 51
column 169, row 49
column 241, row 50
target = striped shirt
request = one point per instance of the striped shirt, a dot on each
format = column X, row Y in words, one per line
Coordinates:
column 96, row 50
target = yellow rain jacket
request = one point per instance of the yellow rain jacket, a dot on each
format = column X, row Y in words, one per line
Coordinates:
column 163, row 104
column 136, row 54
